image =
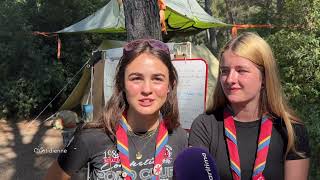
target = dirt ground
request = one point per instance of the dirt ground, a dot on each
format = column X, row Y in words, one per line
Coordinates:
column 27, row 149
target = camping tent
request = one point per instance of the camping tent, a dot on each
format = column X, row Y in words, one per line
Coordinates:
column 81, row 93
column 180, row 15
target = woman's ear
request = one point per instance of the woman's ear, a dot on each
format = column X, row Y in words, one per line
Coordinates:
column 169, row 88
column 263, row 82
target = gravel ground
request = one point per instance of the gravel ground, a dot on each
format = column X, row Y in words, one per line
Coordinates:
column 27, row 149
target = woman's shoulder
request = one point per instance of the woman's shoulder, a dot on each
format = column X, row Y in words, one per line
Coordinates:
column 298, row 127
column 301, row 142
column 179, row 137
column 301, row 138
column 87, row 132
column 179, row 131
column 208, row 118
column 92, row 135
column 301, row 132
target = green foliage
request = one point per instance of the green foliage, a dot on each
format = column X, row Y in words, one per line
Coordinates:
column 299, row 61
column 298, row 55
column 305, row 14
column 30, row 74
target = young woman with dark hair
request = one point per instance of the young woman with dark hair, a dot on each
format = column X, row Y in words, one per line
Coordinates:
column 138, row 135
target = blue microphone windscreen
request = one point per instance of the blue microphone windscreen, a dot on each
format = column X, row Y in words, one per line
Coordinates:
column 195, row 164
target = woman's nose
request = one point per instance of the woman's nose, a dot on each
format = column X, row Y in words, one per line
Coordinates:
column 146, row 88
column 231, row 78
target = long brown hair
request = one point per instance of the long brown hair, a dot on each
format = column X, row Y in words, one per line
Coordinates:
column 117, row 103
column 252, row 47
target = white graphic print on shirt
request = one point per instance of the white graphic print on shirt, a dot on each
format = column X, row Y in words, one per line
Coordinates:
column 111, row 168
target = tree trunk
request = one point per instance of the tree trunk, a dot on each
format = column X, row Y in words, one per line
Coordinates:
column 211, row 33
column 231, row 16
column 142, row 19
column 280, row 5
column 267, row 5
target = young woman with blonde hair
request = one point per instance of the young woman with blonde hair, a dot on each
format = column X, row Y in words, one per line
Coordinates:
column 250, row 130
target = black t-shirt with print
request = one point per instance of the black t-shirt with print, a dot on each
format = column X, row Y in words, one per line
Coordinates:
column 208, row 131
column 99, row 149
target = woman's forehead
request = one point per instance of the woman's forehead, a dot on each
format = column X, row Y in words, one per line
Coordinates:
column 230, row 59
column 147, row 63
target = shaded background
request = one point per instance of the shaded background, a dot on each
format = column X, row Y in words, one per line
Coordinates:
column 31, row 75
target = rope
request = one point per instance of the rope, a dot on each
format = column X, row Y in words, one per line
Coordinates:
column 49, row 34
column 57, row 96
column 91, row 84
column 235, row 27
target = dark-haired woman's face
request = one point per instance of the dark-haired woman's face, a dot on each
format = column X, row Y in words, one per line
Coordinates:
column 146, row 84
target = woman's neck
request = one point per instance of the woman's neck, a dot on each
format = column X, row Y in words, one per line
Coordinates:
column 245, row 113
column 142, row 123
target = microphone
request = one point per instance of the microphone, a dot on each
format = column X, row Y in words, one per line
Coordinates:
column 195, row 163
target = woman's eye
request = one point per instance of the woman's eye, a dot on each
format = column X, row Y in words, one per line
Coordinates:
column 242, row 71
column 135, row 78
column 224, row 71
column 158, row 79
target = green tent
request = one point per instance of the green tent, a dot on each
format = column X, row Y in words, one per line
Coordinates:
column 181, row 15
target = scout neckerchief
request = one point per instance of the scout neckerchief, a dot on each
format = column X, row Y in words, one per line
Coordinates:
column 123, row 147
column 262, row 150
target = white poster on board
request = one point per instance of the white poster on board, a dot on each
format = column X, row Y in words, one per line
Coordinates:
column 191, row 89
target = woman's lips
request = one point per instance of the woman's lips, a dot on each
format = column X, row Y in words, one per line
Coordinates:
column 233, row 90
column 146, row 102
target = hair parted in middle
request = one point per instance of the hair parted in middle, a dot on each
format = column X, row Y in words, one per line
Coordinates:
column 117, row 103
column 252, row 47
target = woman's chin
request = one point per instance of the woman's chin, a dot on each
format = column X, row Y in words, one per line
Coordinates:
column 147, row 110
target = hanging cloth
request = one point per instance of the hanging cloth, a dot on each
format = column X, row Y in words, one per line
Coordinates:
column 162, row 8
column 262, row 150
column 123, row 148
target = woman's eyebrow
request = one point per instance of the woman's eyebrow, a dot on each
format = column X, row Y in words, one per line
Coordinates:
column 224, row 67
column 238, row 66
column 159, row 74
column 140, row 74
column 242, row 66
column 134, row 74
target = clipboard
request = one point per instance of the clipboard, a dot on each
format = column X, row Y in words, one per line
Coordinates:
column 192, row 88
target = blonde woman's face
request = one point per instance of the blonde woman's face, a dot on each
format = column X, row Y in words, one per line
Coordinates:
column 240, row 79
column 146, row 84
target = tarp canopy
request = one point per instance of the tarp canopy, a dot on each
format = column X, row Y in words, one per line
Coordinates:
column 181, row 15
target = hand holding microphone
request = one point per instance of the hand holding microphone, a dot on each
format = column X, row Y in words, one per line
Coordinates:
column 195, row 164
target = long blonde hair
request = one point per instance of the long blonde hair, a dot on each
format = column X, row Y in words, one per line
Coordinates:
column 252, row 47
